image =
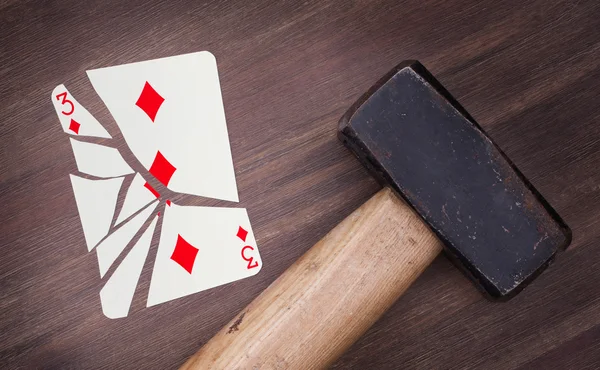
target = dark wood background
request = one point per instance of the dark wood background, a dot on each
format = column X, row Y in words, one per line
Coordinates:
column 528, row 71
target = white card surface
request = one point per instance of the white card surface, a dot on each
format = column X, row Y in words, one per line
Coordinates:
column 218, row 247
column 74, row 118
column 96, row 201
column 171, row 114
column 117, row 293
column 99, row 160
column 115, row 243
column 139, row 194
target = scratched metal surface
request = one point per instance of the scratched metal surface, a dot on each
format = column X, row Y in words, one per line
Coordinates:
column 497, row 228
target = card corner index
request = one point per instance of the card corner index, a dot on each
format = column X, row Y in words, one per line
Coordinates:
column 74, row 118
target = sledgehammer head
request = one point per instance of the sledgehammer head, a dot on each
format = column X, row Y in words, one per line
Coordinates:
column 415, row 137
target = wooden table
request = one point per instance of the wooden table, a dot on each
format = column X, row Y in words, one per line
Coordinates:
column 528, row 71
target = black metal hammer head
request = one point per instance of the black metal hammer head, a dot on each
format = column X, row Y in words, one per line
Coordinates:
column 417, row 139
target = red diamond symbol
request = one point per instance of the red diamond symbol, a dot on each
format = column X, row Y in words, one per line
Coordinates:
column 74, row 126
column 151, row 189
column 162, row 169
column 184, row 254
column 242, row 234
column 150, row 101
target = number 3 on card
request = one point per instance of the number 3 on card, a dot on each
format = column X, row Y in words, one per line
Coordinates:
column 66, row 101
column 249, row 259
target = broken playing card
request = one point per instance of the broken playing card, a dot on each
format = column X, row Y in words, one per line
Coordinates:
column 171, row 115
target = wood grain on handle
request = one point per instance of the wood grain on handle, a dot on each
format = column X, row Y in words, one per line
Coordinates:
column 327, row 299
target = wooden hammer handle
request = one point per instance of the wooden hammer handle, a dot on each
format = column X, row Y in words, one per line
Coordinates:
column 327, row 299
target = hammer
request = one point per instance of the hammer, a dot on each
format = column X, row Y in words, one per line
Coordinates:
column 446, row 185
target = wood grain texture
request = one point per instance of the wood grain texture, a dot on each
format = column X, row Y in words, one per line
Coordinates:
column 529, row 72
column 328, row 298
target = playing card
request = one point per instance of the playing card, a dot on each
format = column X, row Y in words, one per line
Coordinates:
column 74, row 118
column 201, row 248
column 171, row 115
